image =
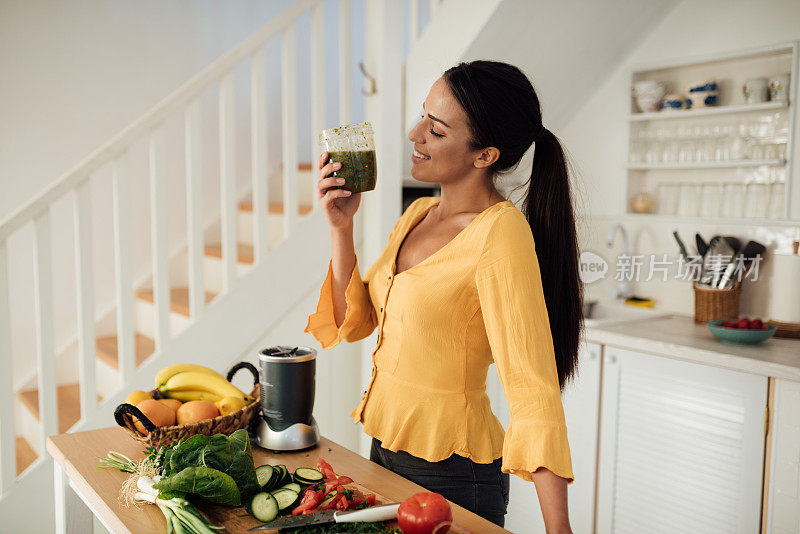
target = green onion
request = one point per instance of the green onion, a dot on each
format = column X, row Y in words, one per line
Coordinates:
column 117, row 460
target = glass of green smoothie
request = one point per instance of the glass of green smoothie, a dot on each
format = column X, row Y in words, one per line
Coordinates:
column 353, row 146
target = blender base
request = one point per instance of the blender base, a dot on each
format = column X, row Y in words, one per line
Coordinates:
column 293, row 438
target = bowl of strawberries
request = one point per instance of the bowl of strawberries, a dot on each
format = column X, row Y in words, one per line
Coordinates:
column 742, row 331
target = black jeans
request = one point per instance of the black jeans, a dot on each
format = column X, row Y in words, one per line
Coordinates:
column 480, row 488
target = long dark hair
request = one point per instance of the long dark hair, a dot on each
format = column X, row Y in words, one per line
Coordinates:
column 504, row 113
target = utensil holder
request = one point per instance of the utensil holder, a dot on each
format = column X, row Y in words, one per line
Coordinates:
column 711, row 304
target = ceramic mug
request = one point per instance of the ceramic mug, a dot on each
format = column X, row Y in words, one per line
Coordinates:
column 779, row 88
column 755, row 90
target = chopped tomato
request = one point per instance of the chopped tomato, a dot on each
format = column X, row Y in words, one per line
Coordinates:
column 310, row 511
column 342, row 504
column 370, row 499
column 326, row 469
column 345, row 480
column 334, row 502
column 330, row 486
column 311, row 499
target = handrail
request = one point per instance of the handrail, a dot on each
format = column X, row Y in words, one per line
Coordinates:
column 181, row 96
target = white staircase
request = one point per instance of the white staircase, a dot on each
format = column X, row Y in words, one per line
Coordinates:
column 208, row 300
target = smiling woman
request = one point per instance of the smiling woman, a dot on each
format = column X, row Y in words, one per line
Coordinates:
column 460, row 286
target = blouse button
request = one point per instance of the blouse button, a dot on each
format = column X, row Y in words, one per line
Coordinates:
column 381, row 310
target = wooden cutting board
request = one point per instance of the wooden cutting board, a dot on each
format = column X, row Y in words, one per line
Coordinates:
column 237, row 520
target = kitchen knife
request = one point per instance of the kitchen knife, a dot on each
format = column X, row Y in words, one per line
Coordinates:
column 374, row 513
column 681, row 246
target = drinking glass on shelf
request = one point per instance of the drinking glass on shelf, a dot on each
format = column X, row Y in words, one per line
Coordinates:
column 757, row 200
column 711, row 203
column 733, row 197
column 668, row 195
column 689, row 204
column 776, row 199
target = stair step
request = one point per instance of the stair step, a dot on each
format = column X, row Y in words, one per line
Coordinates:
column 108, row 352
column 178, row 298
column 275, row 209
column 25, row 454
column 245, row 252
column 68, row 401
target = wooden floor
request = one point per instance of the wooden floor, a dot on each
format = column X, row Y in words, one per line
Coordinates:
column 275, row 209
column 25, row 454
column 246, row 254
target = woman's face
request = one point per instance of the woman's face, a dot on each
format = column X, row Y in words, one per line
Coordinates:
column 441, row 139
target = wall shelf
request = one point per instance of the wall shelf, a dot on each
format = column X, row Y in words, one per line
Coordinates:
column 702, row 112
column 707, row 165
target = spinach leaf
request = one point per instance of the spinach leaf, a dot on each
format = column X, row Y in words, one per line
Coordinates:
column 230, row 455
column 210, row 484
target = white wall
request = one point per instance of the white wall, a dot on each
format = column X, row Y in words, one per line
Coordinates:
column 597, row 137
column 83, row 70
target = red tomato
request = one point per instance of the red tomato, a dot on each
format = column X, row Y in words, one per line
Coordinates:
column 311, row 499
column 334, row 502
column 756, row 324
column 421, row 512
column 728, row 324
column 345, row 480
column 744, row 322
column 326, row 469
column 330, row 486
column 342, row 504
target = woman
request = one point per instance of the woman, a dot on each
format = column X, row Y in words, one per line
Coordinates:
column 465, row 281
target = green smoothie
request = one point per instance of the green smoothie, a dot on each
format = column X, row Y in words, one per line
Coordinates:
column 358, row 169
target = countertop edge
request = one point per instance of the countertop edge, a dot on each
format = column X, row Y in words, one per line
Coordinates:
column 686, row 352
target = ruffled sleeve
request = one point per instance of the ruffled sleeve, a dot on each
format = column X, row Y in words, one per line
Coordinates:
column 518, row 329
column 360, row 318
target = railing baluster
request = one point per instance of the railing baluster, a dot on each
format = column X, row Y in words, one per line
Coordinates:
column 258, row 131
column 194, row 207
column 317, row 91
column 413, row 21
column 8, row 467
column 45, row 348
column 158, row 232
column 227, row 162
column 289, row 120
column 345, row 83
column 84, row 286
column 122, row 267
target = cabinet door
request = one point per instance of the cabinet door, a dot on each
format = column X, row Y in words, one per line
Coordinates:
column 681, row 446
column 581, row 410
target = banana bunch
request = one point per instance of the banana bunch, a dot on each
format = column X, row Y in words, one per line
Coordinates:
column 187, row 382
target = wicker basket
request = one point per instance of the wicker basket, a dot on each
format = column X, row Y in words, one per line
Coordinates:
column 788, row 330
column 223, row 424
column 711, row 304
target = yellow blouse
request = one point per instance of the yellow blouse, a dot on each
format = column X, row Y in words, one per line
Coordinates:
column 441, row 323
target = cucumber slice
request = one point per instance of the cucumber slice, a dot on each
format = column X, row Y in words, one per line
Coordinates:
column 264, row 474
column 285, row 498
column 264, row 507
column 282, row 472
column 328, row 498
column 294, row 486
column 312, row 476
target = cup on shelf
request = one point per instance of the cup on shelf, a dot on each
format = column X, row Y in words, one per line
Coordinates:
column 711, row 199
column 757, row 200
column 779, row 88
column 755, row 90
column 689, row 204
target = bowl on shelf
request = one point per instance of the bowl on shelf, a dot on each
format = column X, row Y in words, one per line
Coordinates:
column 739, row 336
column 703, row 94
column 672, row 102
column 648, row 95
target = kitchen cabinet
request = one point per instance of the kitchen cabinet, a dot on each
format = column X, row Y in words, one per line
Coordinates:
column 681, row 446
column 580, row 399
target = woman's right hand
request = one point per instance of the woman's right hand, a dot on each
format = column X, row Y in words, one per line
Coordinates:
column 339, row 205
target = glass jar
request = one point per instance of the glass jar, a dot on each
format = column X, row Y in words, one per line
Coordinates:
column 353, row 146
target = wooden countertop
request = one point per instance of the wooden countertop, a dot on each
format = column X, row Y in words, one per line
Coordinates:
column 679, row 337
column 77, row 455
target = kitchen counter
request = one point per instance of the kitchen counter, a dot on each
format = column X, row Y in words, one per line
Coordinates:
column 76, row 455
column 679, row 337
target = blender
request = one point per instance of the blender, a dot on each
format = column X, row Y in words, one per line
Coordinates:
column 287, row 380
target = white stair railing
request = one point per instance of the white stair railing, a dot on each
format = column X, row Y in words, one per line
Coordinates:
column 184, row 103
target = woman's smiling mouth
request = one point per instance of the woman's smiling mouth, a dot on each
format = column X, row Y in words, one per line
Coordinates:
column 419, row 157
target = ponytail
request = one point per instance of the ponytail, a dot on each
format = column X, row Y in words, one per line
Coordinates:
column 548, row 208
